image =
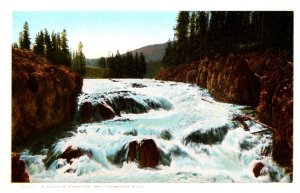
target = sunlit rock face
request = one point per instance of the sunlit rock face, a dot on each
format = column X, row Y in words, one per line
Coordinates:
column 228, row 79
column 43, row 96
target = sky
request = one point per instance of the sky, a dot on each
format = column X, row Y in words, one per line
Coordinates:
column 101, row 32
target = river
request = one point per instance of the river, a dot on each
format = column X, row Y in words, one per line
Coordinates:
column 194, row 133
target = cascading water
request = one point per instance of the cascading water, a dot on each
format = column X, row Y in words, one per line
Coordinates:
column 195, row 136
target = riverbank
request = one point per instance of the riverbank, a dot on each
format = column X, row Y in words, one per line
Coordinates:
column 165, row 132
column 43, row 96
column 264, row 81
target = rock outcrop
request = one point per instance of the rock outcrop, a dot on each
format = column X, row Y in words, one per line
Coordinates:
column 228, row 79
column 264, row 81
column 276, row 106
column 104, row 106
column 43, row 96
column 74, row 152
column 145, row 153
column 99, row 112
column 19, row 173
column 207, row 136
column 257, row 168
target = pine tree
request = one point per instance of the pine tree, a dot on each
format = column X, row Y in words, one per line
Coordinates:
column 20, row 39
column 63, row 44
column 128, row 67
column 102, row 62
column 78, row 63
column 39, row 46
column 48, row 46
column 56, row 57
column 169, row 59
column 201, row 33
column 236, row 30
column 217, row 33
column 181, row 33
column 15, row 45
column 142, row 69
column 24, row 39
column 193, row 54
column 82, row 59
column 136, row 64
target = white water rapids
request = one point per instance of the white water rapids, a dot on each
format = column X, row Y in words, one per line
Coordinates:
column 191, row 110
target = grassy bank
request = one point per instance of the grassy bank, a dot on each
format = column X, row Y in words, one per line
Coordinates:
column 94, row 72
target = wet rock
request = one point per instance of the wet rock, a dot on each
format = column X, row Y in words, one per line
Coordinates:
column 144, row 153
column 148, row 154
column 133, row 133
column 74, row 152
column 86, row 112
column 208, row 136
column 165, row 158
column 266, row 151
column 120, row 157
column 43, row 96
column 138, row 85
column 70, row 170
column 99, row 112
column 257, row 168
column 132, row 153
column 18, row 169
column 108, row 105
column 106, row 111
column 166, row 135
column 248, row 142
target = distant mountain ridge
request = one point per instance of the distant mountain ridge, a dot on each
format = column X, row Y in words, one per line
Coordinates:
column 152, row 53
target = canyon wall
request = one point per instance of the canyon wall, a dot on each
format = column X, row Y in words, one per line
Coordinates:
column 264, row 81
column 43, row 96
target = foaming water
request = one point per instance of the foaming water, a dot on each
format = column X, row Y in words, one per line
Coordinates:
column 194, row 133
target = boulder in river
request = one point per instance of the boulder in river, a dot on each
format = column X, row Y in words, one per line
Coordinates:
column 257, row 168
column 145, row 153
column 148, row 153
column 98, row 112
column 207, row 136
column 132, row 152
column 74, row 152
column 86, row 112
column 106, row 112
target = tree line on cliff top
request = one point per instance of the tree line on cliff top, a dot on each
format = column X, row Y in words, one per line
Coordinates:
column 200, row 34
column 54, row 48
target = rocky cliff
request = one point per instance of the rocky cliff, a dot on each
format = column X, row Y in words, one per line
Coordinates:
column 264, row 81
column 43, row 96
column 19, row 173
column 276, row 106
column 228, row 79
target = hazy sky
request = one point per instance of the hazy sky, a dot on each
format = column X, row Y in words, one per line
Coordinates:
column 101, row 32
